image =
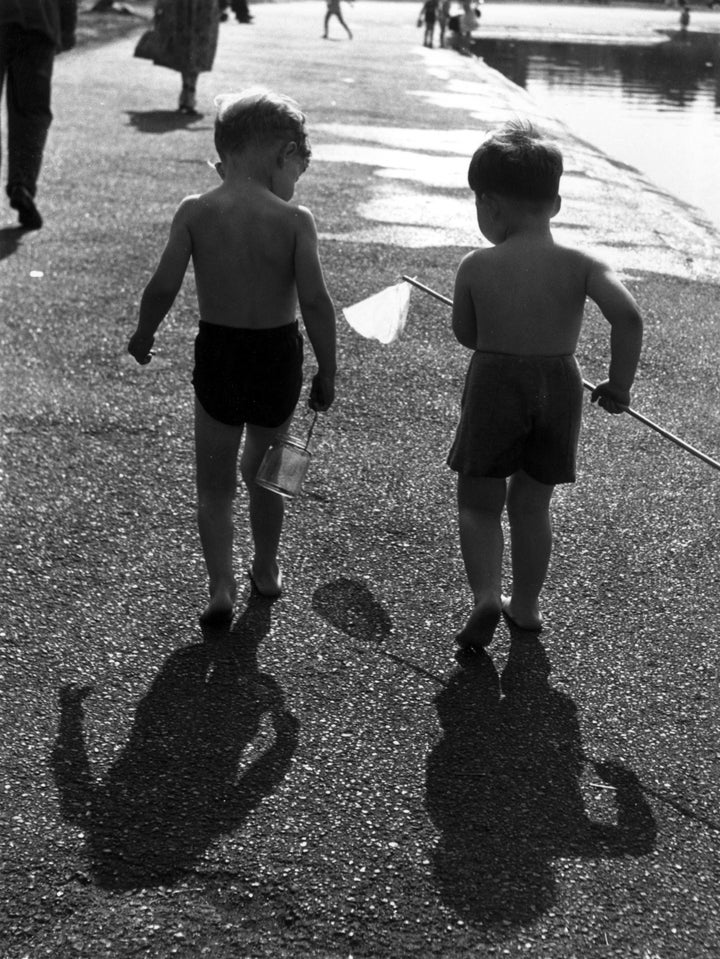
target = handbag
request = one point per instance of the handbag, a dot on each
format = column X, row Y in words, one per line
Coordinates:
column 153, row 46
column 149, row 46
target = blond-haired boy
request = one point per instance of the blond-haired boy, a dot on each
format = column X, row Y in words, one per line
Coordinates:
column 255, row 257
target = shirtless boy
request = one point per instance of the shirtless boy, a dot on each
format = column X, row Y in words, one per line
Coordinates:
column 255, row 257
column 519, row 306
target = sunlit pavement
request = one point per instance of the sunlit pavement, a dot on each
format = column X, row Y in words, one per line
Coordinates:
column 417, row 196
column 326, row 781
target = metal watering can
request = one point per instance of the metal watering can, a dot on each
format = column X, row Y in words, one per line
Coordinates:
column 285, row 463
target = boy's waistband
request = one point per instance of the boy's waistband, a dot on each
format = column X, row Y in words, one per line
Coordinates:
column 530, row 357
column 247, row 334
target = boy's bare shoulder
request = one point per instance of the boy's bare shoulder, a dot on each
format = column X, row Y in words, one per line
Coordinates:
column 302, row 215
column 580, row 259
column 476, row 258
column 190, row 206
column 476, row 264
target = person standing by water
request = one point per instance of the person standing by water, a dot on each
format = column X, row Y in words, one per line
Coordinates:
column 32, row 32
column 187, row 33
column 443, row 18
column 428, row 16
column 684, row 15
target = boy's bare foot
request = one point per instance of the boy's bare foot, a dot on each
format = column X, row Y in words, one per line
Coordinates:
column 529, row 624
column 479, row 630
column 220, row 608
column 267, row 583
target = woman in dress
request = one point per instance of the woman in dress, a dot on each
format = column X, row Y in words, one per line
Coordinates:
column 187, row 33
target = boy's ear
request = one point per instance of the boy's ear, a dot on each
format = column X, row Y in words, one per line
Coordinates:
column 556, row 206
column 289, row 150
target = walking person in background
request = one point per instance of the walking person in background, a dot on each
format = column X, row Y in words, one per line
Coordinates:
column 333, row 10
column 187, row 33
column 239, row 8
column 428, row 16
column 469, row 21
column 684, row 15
column 32, row 32
column 443, row 18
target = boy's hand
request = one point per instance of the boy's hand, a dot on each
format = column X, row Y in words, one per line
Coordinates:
column 322, row 393
column 140, row 347
column 610, row 397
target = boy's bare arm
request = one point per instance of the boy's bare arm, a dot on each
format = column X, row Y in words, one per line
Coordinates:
column 317, row 310
column 622, row 313
column 464, row 321
column 164, row 285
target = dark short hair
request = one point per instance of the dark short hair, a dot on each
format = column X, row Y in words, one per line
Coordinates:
column 517, row 162
column 258, row 116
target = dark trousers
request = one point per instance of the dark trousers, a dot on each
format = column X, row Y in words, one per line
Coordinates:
column 26, row 65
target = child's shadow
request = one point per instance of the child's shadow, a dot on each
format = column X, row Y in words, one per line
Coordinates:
column 176, row 785
column 503, row 788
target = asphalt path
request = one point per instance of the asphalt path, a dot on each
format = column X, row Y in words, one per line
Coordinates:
column 326, row 780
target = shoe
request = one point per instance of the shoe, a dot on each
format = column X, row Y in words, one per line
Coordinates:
column 22, row 201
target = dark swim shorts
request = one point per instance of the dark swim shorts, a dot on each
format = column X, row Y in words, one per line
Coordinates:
column 519, row 412
column 248, row 376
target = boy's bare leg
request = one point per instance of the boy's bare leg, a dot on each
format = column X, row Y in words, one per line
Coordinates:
column 216, row 450
column 480, row 505
column 267, row 510
column 528, row 506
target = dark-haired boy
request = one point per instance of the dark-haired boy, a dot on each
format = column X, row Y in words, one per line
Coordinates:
column 255, row 256
column 519, row 306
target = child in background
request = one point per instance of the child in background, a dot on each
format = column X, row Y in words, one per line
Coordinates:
column 428, row 16
column 519, row 306
column 334, row 10
column 255, row 256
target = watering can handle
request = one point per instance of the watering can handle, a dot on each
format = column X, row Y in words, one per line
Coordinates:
column 310, row 431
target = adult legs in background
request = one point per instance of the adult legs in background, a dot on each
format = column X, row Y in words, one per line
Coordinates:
column 26, row 66
column 188, row 97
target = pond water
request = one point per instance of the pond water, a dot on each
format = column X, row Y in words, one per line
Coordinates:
column 655, row 107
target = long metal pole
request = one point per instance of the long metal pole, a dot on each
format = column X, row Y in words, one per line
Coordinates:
column 589, row 386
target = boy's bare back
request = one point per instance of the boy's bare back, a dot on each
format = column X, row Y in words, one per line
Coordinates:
column 527, row 296
column 247, row 251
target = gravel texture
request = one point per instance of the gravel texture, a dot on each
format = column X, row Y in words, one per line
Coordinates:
column 326, row 781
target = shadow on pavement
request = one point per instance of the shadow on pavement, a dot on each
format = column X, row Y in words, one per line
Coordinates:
column 503, row 788
column 164, row 121
column 10, row 238
column 176, row 786
column 348, row 605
